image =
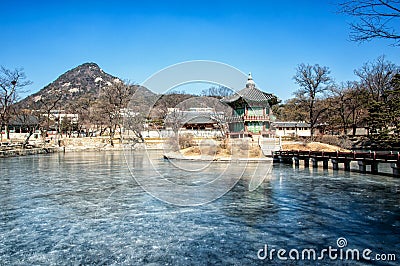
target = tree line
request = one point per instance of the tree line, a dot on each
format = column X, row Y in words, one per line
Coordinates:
column 372, row 101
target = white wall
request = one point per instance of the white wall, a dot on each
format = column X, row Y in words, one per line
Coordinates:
column 289, row 132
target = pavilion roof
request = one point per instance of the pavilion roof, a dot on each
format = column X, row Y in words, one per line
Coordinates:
column 249, row 94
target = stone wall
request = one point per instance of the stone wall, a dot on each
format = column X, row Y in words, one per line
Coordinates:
column 22, row 152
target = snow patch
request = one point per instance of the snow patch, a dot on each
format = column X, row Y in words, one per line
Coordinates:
column 98, row 79
column 66, row 84
column 117, row 81
column 37, row 98
column 73, row 90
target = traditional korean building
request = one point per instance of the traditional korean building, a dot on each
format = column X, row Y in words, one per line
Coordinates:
column 251, row 113
column 196, row 118
column 292, row 129
column 200, row 118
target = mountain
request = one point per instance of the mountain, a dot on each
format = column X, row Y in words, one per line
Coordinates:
column 83, row 81
column 83, row 84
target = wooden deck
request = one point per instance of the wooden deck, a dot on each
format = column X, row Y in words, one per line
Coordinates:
column 362, row 158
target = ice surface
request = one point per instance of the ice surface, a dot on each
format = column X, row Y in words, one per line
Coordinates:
column 85, row 208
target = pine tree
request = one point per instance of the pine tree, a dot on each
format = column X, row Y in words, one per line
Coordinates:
column 384, row 117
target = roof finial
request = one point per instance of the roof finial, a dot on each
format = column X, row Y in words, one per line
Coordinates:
column 250, row 81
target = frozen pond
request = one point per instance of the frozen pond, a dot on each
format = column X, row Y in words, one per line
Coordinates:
column 86, row 209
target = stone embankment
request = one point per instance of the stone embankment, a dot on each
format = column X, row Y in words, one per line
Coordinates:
column 15, row 147
column 97, row 144
column 32, row 151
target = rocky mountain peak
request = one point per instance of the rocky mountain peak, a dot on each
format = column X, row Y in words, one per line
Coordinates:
column 82, row 81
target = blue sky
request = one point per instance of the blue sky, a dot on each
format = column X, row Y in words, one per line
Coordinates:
column 135, row 39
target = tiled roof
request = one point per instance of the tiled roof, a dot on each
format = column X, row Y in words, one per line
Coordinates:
column 191, row 117
column 21, row 120
column 249, row 94
column 198, row 118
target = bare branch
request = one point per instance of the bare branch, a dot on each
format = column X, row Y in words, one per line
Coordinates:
column 313, row 80
column 11, row 83
column 376, row 76
column 374, row 19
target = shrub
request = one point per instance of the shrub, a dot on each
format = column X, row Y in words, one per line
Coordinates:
column 243, row 145
column 186, row 141
column 172, row 144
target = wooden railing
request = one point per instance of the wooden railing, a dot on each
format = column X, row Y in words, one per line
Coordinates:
column 256, row 117
column 355, row 156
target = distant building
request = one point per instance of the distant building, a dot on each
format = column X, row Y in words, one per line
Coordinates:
column 196, row 118
column 59, row 115
column 359, row 131
column 21, row 126
column 200, row 121
column 292, row 129
column 23, row 123
column 251, row 111
column 202, row 110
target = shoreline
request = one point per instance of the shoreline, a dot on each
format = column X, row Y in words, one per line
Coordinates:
column 26, row 152
column 102, row 144
column 66, row 149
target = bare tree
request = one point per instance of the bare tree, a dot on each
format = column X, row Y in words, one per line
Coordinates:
column 357, row 106
column 112, row 100
column 11, row 82
column 84, row 107
column 313, row 81
column 217, row 91
column 135, row 122
column 338, row 104
column 171, row 100
column 47, row 105
column 375, row 19
column 292, row 110
column 376, row 76
column 29, row 119
column 175, row 120
column 349, row 103
column 222, row 125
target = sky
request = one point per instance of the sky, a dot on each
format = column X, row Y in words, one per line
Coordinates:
column 135, row 39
